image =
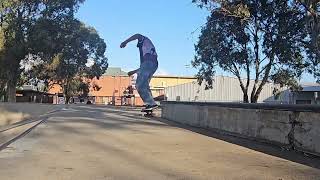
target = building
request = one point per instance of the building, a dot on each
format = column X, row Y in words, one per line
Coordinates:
column 34, row 94
column 117, row 88
column 308, row 95
column 117, row 81
column 108, row 89
column 227, row 89
column 112, row 89
column 159, row 83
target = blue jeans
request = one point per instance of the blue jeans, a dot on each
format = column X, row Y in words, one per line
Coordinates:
column 147, row 68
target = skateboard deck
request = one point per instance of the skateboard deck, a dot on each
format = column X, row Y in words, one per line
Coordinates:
column 148, row 113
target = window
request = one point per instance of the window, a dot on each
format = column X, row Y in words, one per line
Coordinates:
column 303, row 101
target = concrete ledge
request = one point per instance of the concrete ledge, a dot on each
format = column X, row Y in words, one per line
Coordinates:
column 10, row 135
column 278, row 107
column 11, row 113
column 307, row 132
column 294, row 126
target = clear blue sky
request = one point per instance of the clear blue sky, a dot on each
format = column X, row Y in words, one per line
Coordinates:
column 168, row 23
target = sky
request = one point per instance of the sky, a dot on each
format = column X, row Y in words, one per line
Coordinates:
column 173, row 26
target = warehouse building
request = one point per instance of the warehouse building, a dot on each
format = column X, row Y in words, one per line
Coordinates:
column 308, row 95
column 227, row 89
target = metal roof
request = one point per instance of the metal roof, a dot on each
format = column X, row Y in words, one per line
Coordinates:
column 115, row 71
column 311, row 88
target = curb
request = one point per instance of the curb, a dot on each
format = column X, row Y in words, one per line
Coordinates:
column 16, row 136
column 25, row 121
column 20, row 129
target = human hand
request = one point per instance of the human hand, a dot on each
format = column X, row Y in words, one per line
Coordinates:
column 130, row 73
column 123, row 44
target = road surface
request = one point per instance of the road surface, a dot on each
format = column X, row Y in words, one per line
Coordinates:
column 101, row 143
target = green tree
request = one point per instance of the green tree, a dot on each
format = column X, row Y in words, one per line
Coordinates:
column 17, row 19
column 2, row 83
column 2, row 69
column 76, row 87
column 311, row 9
column 255, row 39
column 66, row 63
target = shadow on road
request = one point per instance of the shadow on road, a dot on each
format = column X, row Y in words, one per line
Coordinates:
column 298, row 157
column 108, row 119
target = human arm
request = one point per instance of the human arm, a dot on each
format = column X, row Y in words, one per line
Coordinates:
column 132, row 72
column 132, row 38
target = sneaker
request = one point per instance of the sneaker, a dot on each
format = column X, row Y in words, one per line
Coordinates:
column 149, row 107
column 153, row 106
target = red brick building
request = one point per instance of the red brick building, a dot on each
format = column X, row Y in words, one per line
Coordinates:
column 112, row 89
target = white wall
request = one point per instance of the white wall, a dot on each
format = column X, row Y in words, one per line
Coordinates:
column 225, row 89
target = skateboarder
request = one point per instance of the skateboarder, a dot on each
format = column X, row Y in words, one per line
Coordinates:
column 148, row 66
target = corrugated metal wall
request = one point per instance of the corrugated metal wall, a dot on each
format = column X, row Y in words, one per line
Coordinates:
column 225, row 89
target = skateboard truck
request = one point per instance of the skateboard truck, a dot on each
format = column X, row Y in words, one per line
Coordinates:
column 148, row 113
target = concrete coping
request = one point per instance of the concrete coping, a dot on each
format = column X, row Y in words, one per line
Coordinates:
column 280, row 107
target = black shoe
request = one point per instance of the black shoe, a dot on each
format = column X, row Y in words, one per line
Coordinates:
column 153, row 106
column 149, row 107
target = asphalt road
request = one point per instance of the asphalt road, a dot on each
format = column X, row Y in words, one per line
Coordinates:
column 92, row 142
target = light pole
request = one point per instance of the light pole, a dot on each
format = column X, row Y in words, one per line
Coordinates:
column 119, row 89
column 113, row 93
column 187, row 66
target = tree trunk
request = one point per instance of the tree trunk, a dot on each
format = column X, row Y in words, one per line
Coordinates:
column 245, row 97
column 253, row 94
column 11, row 92
column 67, row 99
column 3, row 93
column 255, row 98
column 66, row 91
column 66, row 96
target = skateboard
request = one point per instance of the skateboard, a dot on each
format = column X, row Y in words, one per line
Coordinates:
column 148, row 113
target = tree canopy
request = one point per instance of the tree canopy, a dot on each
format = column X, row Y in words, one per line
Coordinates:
column 261, row 40
column 43, row 30
column 68, row 60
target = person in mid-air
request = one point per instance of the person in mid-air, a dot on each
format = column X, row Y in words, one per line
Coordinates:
column 148, row 66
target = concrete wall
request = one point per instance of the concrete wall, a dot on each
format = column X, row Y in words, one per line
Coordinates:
column 307, row 132
column 11, row 113
column 291, row 125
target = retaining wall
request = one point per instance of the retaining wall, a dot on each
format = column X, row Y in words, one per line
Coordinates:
column 294, row 126
column 11, row 113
